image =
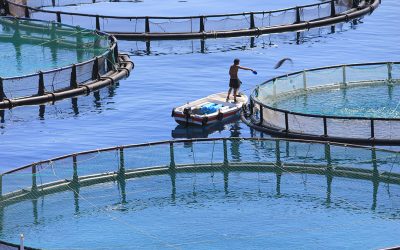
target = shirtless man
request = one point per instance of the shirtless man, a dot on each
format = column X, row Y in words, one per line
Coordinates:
column 234, row 82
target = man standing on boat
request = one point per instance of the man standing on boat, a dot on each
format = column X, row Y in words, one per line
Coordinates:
column 234, row 82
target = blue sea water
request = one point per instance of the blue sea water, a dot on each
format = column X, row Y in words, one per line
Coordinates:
column 249, row 212
column 138, row 110
column 379, row 100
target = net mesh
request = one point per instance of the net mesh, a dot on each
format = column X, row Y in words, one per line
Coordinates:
column 227, row 23
column 174, row 26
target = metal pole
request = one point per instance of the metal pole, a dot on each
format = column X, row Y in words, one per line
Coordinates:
column 75, row 178
column 116, row 58
column 226, row 162
column 95, row 69
column 251, row 106
column 171, row 155
column 325, row 127
column 333, row 10
column 329, row 175
column 1, row 187
column 41, row 84
column 304, row 80
column 298, row 18
column 286, row 122
column 375, row 178
column 252, row 24
column 344, row 75
column 121, row 161
column 58, row 17
column 372, row 129
column 97, row 23
column 147, row 25
column 278, row 153
column 34, row 184
column 389, row 66
column 261, row 115
column 328, row 154
column 202, row 24
column 2, row 95
column 73, row 83
column 27, row 15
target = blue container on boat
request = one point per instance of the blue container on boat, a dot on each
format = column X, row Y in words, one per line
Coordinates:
column 210, row 108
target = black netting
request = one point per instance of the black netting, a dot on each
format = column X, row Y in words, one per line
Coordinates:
column 174, row 26
column 21, row 87
column 58, row 80
column 84, row 72
column 136, row 25
column 227, row 23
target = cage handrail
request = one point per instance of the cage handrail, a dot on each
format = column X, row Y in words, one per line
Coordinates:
column 168, row 142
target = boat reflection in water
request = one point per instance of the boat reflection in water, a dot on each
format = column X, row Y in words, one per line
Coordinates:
column 188, row 132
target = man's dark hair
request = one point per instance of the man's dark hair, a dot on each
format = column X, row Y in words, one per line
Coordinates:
column 236, row 61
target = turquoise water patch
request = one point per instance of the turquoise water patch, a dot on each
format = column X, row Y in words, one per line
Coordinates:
column 39, row 46
column 379, row 100
column 209, row 210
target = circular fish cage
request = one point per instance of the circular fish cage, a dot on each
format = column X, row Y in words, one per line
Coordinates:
column 195, row 193
column 356, row 103
column 204, row 26
column 53, row 61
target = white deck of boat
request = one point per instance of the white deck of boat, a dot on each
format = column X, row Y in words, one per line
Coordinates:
column 219, row 98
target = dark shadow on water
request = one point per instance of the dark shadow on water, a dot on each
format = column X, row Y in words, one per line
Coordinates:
column 188, row 132
column 97, row 101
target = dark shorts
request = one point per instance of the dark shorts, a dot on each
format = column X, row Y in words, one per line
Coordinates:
column 235, row 83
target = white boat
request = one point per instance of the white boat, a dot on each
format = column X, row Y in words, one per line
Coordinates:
column 209, row 110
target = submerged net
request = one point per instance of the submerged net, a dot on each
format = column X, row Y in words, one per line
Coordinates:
column 54, row 48
column 189, row 46
column 98, row 184
column 336, row 78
